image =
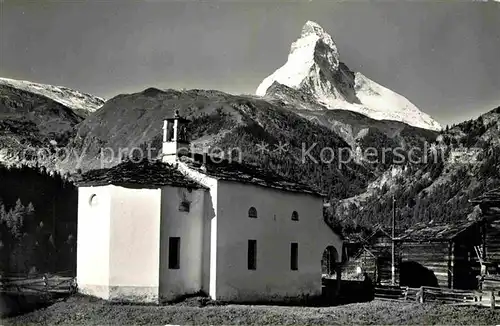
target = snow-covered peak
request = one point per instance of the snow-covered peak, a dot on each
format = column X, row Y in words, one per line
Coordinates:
column 314, row 68
column 312, row 28
column 301, row 59
column 73, row 99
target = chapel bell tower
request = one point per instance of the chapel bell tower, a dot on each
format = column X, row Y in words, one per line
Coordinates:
column 175, row 140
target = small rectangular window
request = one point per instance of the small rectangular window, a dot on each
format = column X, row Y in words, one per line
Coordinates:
column 252, row 254
column 174, row 252
column 294, row 256
column 184, row 206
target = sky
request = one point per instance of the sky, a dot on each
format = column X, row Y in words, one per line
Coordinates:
column 443, row 56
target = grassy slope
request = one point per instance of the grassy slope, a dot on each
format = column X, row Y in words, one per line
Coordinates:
column 83, row 311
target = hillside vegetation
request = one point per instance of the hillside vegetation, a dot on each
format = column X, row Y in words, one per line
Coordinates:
column 37, row 222
column 31, row 122
column 275, row 134
column 464, row 162
column 225, row 121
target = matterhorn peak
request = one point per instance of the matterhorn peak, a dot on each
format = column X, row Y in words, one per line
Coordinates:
column 314, row 45
column 311, row 27
column 314, row 29
column 314, row 33
column 314, row 69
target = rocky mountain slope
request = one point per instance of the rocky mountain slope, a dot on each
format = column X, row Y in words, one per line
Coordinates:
column 29, row 122
column 69, row 142
column 314, row 70
column 131, row 122
column 463, row 162
column 81, row 103
column 467, row 163
column 250, row 125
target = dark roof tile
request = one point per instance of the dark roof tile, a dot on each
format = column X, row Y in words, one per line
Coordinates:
column 227, row 170
column 144, row 174
column 155, row 174
column 429, row 232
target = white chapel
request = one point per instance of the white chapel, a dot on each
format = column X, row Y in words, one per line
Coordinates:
column 157, row 230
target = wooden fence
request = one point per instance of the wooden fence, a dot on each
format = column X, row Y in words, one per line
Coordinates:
column 439, row 295
column 37, row 284
column 490, row 282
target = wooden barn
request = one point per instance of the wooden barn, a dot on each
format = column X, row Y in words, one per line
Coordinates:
column 371, row 255
column 489, row 203
column 444, row 255
column 440, row 255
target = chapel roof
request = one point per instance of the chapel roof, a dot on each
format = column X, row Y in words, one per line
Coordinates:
column 231, row 170
column 153, row 174
column 144, row 174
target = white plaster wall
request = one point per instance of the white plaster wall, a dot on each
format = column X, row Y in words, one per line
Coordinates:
column 209, row 233
column 274, row 231
column 92, row 269
column 134, row 257
column 209, row 275
column 189, row 226
column 171, row 149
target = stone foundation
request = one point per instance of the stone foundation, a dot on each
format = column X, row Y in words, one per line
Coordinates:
column 143, row 294
column 140, row 294
column 99, row 291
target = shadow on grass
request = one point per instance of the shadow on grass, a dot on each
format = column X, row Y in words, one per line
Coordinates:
column 14, row 304
column 350, row 292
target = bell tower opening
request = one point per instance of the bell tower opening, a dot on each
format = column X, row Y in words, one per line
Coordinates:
column 175, row 138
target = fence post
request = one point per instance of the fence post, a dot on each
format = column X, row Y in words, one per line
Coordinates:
column 73, row 285
column 492, row 299
column 45, row 283
column 420, row 295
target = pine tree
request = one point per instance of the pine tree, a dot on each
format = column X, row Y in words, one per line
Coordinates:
column 16, row 219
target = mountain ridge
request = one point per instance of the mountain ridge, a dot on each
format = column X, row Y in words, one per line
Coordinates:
column 82, row 103
column 359, row 191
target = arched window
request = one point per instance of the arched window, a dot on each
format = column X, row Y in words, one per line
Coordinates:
column 93, row 200
column 295, row 216
column 252, row 212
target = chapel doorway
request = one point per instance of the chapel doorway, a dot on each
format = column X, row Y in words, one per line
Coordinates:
column 330, row 274
column 330, row 263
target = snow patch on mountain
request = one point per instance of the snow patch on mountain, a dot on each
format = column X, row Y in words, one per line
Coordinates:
column 73, row 99
column 388, row 104
column 314, row 68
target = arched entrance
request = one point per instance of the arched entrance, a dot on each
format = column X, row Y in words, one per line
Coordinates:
column 330, row 273
column 330, row 262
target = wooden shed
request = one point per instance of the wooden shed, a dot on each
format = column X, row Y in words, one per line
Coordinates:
column 372, row 255
column 444, row 255
column 489, row 203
